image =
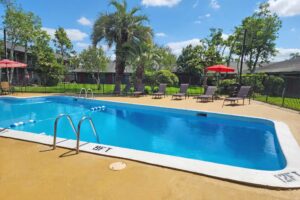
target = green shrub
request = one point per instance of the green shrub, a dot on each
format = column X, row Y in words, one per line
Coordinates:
column 274, row 85
column 255, row 80
column 149, row 78
column 166, row 76
column 225, row 86
column 162, row 76
column 148, row 89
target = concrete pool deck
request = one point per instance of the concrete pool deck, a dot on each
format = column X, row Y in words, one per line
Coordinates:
column 30, row 171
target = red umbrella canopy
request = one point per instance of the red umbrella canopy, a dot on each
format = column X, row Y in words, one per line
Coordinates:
column 220, row 68
column 11, row 64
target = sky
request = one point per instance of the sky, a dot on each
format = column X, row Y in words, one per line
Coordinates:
column 176, row 23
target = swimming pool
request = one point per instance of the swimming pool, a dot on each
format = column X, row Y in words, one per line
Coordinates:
column 225, row 140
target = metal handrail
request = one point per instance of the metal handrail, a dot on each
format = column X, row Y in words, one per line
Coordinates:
column 91, row 91
column 55, row 127
column 85, row 92
column 79, row 127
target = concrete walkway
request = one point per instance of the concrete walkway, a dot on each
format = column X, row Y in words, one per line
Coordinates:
column 30, row 171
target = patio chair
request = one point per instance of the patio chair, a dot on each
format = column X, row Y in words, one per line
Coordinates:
column 139, row 90
column 242, row 94
column 209, row 94
column 161, row 91
column 5, row 88
column 182, row 92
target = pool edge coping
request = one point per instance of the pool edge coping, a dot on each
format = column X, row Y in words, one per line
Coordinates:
column 287, row 178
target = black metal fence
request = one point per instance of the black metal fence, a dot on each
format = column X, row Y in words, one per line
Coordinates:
column 282, row 91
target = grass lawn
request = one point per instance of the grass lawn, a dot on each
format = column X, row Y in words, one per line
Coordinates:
column 102, row 89
column 292, row 103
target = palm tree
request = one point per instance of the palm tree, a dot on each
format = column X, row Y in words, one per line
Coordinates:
column 141, row 56
column 121, row 28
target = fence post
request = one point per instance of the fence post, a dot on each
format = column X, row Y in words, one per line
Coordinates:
column 283, row 97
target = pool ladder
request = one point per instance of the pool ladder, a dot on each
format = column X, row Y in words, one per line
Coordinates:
column 77, row 133
column 86, row 92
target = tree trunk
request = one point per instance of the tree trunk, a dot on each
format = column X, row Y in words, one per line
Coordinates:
column 139, row 74
column 255, row 62
column 120, row 67
column 25, row 61
column 11, row 74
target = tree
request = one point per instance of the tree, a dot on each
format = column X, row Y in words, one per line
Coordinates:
column 93, row 59
column 47, row 66
column 13, row 23
column 262, row 31
column 1, row 50
column 62, row 43
column 31, row 26
column 191, row 61
column 121, row 28
column 166, row 59
column 143, row 56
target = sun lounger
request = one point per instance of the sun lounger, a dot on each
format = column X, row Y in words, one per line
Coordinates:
column 139, row 90
column 161, row 91
column 5, row 88
column 241, row 95
column 182, row 92
column 209, row 94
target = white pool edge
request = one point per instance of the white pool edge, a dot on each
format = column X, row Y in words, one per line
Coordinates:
column 289, row 177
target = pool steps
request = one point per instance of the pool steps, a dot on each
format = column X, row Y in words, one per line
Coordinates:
column 77, row 132
column 86, row 92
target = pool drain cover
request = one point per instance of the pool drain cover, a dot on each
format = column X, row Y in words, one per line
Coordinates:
column 117, row 166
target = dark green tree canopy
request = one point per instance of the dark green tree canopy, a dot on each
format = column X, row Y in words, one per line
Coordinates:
column 262, row 31
column 62, row 43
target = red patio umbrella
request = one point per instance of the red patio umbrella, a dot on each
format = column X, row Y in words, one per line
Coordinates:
column 220, row 68
column 11, row 64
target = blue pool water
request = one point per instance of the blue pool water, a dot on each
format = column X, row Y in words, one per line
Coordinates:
column 231, row 140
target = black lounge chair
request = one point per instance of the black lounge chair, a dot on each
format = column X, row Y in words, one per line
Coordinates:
column 241, row 95
column 182, row 92
column 139, row 90
column 161, row 91
column 209, row 94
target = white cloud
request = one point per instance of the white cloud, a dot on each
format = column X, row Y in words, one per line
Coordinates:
column 168, row 3
column 284, row 53
column 225, row 36
column 84, row 21
column 177, row 47
column 160, row 34
column 82, row 45
column 293, row 29
column 105, row 47
column 285, row 8
column 195, row 5
column 73, row 34
column 214, row 4
column 50, row 31
column 199, row 21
